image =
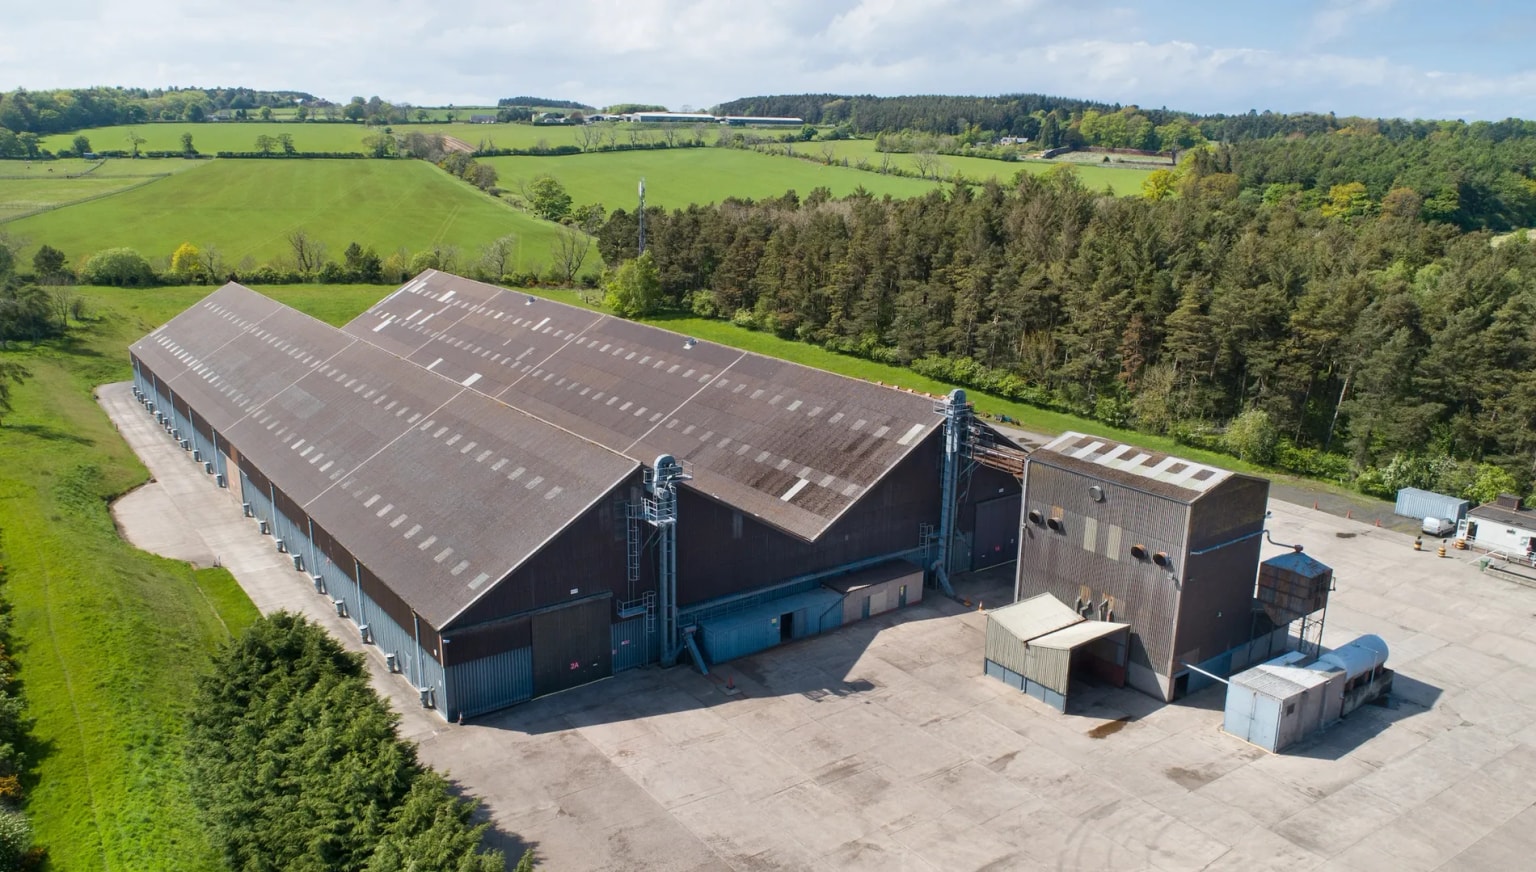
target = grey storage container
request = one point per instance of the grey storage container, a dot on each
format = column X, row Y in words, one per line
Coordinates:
column 1413, row 502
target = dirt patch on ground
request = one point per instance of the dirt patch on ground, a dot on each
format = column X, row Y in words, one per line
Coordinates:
column 453, row 143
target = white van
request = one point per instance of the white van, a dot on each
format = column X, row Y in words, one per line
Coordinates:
column 1439, row 526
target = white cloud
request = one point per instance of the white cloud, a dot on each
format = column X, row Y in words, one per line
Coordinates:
column 1337, row 18
column 701, row 52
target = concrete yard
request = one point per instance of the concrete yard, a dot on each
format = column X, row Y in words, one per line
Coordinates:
column 882, row 746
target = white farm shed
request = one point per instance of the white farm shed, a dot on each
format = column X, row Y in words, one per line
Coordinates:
column 1504, row 525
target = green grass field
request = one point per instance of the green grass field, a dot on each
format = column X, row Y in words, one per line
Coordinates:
column 109, row 638
column 27, row 188
column 674, row 178
column 1121, row 180
column 212, row 137
column 246, row 208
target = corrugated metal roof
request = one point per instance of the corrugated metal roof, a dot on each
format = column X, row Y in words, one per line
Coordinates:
column 439, row 489
column 1078, row 634
column 791, row 445
column 1522, row 518
column 1280, row 682
column 234, row 350
column 1034, row 617
column 1165, row 474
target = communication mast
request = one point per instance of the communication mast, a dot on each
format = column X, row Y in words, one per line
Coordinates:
column 642, row 215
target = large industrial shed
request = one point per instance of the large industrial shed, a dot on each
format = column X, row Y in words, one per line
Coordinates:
column 511, row 496
column 1168, row 546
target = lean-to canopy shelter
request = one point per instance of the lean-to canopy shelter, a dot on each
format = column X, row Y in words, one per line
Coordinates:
column 1033, row 644
column 790, row 445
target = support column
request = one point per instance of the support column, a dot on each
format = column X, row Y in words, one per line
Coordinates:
column 357, row 576
column 957, row 414
column 661, row 511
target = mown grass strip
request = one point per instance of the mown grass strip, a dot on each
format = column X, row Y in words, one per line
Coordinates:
column 109, row 638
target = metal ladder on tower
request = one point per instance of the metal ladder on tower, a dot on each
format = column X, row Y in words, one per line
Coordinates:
column 632, row 515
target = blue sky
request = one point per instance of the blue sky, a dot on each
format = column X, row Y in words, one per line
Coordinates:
column 1411, row 58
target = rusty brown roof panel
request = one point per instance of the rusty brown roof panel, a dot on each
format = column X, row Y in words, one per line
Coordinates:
column 792, row 445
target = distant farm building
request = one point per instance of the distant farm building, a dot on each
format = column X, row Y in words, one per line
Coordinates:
column 761, row 121
column 701, row 118
column 669, row 118
column 1168, row 546
column 510, row 496
column 482, row 119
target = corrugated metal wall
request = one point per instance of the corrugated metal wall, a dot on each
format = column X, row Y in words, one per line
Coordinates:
column 1050, row 667
column 727, row 640
column 1092, row 554
column 632, row 645
column 488, row 683
column 1020, row 683
column 391, row 636
column 866, row 602
column 701, row 612
column 761, row 626
column 587, row 557
column 1216, row 597
column 255, row 493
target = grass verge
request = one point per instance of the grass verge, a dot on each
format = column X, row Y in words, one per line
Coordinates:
column 247, row 208
column 109, row 638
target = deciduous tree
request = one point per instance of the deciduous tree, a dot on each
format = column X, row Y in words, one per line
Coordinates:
column 48, row 262
column 548, row 198
column 569, row 251
column 497, row 258
column 634, row 289
column 308, row 252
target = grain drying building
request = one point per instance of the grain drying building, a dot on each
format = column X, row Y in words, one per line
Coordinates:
column 1168, row 546
column 510, row 496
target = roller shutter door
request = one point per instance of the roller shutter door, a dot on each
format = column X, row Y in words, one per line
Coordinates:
column 997, row 532
column 572, row 646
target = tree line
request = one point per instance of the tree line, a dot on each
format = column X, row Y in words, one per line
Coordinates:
column 542, row 103
column 63, row 109
column 16, row 849
column 296, row 765
column 1026, row 115
column 1472, row 176
column 1366, row 343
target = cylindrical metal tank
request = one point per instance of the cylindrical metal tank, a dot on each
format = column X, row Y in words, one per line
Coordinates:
column 1357, row 658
